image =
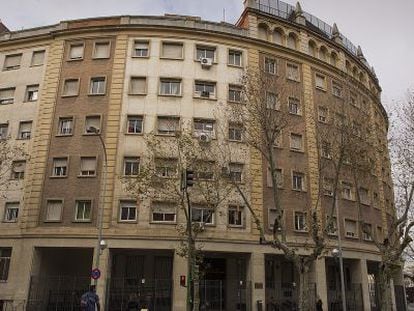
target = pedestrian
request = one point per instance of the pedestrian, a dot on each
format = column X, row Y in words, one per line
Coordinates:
column 319, row 305
column 90, row 300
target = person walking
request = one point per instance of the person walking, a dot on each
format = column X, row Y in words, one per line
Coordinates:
column 319, row 305
column 90, row 300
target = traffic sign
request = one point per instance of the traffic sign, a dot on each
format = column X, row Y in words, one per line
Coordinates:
column 95, row 274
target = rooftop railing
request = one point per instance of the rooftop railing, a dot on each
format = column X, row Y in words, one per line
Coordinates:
column 285, row 11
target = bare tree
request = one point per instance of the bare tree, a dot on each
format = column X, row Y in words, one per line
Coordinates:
column 162, row 177
column 398, row 237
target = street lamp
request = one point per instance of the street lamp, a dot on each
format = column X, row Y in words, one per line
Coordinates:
column 101, row 243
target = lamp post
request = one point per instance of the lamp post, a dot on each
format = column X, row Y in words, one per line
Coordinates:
column 101, row 243
column 337, row 253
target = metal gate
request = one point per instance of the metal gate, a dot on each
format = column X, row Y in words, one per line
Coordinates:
column 56, row 293
column 225, row 295
column 353, row 298
column 156, row 295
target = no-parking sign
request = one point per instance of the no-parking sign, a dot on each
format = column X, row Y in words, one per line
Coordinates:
column 95, row 274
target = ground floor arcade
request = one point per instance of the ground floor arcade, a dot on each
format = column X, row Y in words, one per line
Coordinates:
column 52, row 275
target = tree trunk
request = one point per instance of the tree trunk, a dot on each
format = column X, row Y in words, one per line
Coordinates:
column 303, row 288
column 196, row 285
column 384, row 288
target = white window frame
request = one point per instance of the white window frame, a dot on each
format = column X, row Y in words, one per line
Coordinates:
column 74, row 45
column 233, row 55
column 292, row 103
column 292, row 141
column 25, row 134
column 298, row 181
column 270, row 65
column 32, row 93
column 47, row 214
column 142, row 54
column 203, row 210
column 11, row 211
column 170, row 82
column 163, row 209
column 300, row 220
column 63, row 129
column 294, row 74
column 88, row 173
column 131, row 165
column 135, row 119
column 77, row 205
column 238, row 217
column 128, row 205
column 102, row 43
column 205, row 89
column 60, row 171
column 201, row 51
column 350, row 234
column 235, row 132
column 100, row 88
column 235, row 93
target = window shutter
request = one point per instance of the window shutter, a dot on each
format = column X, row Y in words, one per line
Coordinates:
column 172, row 50
column 60, row 162
column 101, row 50
column 7, row 93
column 12, row 61
column 141, row 45
column 71, row 87
column 38, row 57
column 76, row 51
column 138, row 85
column 93, row 122
column 88, row 164
column 25, row 126
column 54, row 210
column 19, row 167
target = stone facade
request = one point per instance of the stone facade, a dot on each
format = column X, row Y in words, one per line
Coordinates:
column 85, row 95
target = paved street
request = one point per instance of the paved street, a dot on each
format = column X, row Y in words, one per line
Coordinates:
column 411, row 306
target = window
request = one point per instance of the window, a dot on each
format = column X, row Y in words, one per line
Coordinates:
column 205, row 52
column 272, row 101
column 300, row 221
column 65, row 126
column 127, row 210
column 4, row 128
column 138, row 86
column 279, row 177
column 170, row 87
column 235, row 215
column 60, row 167
column 102, row 50
column 347, row 191
column 163, row 212
column 168, row 125
column 5, row 257
column 235, row 58
column 88, row 166
column 364, row 196
column 332, row 227
column 38, row 58
column 292, row 72
column 291, row 41
column 131, row 166
column 272, row 216
column 7, row 96
column 350, row 228
column 298, row 181
column 204, row 126
column 328, row 186
column 141, row 49
column 76, row 51
column 32, row 93
column 367, row 236
column 320, row 81
column 380, row 234
column 166, row 168
column 294, row 106
column 235, row 132
column 25, row 130
column 205, row 89
column 296, row 142
column 54, row 210
column 202, row 215
column 323, row 114
column 236, row 172
column 336, row 89
column 11, row 212
column 376, row 200
column 270, row 65
column 83, row 210
column 12, row 62
column 173, row 50
column 235, row 93
column 135, row 124
column 97, row 86
column 205, row 170
column 353, row 100
column 92, row 124
column 18, row 168
column 326, row 150
column 71, row 87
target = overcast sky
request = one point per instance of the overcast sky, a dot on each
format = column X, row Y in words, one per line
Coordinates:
column 384, row 29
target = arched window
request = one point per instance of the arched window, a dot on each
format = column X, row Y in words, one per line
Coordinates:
column 312, row 48
column 355, row 72
column 348, row 67
column 278, row 36
column 291, row 41
column 362, row 77
column 323, row 53
column 263, row 32
column 334, row 59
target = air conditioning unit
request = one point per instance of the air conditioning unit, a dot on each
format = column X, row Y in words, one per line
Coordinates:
column 204, row 138
column 205, row 94
column 93, row 130
column 206, row 62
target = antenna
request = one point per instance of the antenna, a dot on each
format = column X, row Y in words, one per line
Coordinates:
column 224, row 14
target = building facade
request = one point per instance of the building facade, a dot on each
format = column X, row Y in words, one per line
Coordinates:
column 65, row 87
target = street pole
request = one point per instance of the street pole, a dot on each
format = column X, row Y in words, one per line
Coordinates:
column 341, row 259
column 99, row 247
